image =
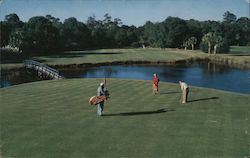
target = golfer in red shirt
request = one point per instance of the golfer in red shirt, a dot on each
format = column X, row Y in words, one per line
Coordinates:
column 155, row 84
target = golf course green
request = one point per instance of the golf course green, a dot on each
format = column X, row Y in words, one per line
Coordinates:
column 238, row 57
column 53, row 119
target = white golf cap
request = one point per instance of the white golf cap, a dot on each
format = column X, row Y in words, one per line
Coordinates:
column 101, row 84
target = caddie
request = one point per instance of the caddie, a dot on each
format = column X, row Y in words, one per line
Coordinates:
column 100, row 92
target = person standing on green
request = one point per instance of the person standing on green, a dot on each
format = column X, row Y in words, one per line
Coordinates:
column 100, row 92
column 185, row 90
column 155, row 84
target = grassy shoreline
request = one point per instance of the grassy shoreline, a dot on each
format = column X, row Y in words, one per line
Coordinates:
column 53, row 119
column 127, row 56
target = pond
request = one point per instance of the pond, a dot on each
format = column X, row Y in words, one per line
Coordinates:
column 202, row 74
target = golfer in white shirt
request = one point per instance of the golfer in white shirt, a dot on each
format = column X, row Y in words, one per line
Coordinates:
column 185, row 90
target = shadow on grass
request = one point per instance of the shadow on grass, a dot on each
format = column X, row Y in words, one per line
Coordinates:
column 82, row 54
column 195, row 100
column 39, row 60
column 159, row 111
column 173, row 92
column 239, row 54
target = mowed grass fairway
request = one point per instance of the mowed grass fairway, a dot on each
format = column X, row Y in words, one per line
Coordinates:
column 53, row 119
column 238, row 55
column 242, row 50
column 118, row 55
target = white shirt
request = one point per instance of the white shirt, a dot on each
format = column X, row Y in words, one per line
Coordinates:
column 184, row 86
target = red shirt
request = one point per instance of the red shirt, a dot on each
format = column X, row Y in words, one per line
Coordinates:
column 156, row 81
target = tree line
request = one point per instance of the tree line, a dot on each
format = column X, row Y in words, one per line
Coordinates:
column 48, row 34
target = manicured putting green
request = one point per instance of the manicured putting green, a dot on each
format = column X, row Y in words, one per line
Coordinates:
column 53, row 119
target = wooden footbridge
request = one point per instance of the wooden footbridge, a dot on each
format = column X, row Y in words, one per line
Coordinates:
column 43, row 70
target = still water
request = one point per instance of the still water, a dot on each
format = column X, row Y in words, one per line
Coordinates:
column 200, row 74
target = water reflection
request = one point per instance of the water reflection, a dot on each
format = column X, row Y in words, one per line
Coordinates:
column 18, row 76
column 211, row 68
column 201, row 74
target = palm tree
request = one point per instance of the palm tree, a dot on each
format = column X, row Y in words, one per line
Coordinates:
column 212, row 39
column 208, row 38
column 185, row 44
column 218, row 41
column 192, row 41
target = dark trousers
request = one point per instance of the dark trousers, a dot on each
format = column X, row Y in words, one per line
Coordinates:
column 185, row 95
column 100, row 108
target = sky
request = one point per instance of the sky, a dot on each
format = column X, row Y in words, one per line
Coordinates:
column 131, row 12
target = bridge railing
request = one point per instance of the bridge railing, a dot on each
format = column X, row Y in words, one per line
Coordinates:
column 35, row 63
column 43, row 67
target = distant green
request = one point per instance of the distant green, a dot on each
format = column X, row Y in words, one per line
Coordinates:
column 101, row 56
column 52, row 119
column 114, row 55
column 240, row 50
